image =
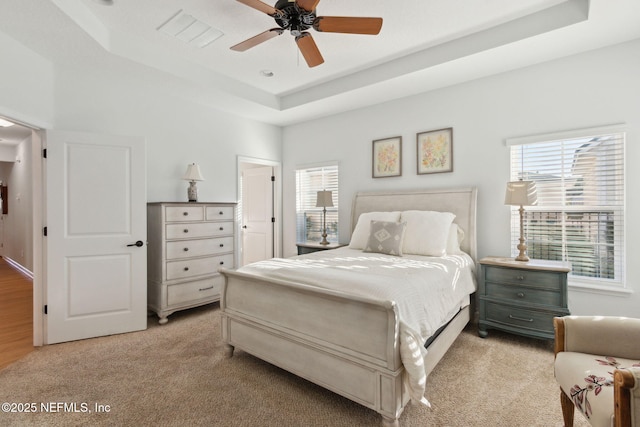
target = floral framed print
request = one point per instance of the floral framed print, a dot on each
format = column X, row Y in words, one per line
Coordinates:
column 435, row 151
column 387, row 157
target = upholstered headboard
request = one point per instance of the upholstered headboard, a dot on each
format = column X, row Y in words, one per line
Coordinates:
column 459, row 201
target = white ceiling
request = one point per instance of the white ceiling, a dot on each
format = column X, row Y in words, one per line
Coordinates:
column 423, row 45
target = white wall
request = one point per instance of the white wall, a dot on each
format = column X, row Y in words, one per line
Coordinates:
column 592, row 89
column 178, row 132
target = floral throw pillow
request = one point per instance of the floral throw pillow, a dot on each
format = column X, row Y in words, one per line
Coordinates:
column 386, row 237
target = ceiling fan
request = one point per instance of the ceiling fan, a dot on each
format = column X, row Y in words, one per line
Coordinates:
column 300, row 15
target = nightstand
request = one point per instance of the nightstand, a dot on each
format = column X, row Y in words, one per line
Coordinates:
column 308, row 247
column 522, row 297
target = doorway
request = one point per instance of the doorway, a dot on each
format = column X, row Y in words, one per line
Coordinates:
column 21, row 173
column 258, row 209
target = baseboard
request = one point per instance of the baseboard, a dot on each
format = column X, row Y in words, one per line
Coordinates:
column 19, row 267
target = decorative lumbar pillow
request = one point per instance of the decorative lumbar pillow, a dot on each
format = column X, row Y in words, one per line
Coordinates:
column 456, row 236
column 360, row 235
column 386, row 237
column 427, row 232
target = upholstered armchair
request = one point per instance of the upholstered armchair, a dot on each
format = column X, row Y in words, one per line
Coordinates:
column 597, row 366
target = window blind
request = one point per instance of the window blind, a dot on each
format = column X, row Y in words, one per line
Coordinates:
column 309, row 217
column 579, row 216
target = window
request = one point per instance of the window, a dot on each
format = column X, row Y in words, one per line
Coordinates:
column 309, row 217
column 579, row 216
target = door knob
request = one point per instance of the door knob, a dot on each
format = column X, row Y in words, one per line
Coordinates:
column 138, row 243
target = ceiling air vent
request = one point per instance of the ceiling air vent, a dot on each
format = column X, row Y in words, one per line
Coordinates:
column 190, row 30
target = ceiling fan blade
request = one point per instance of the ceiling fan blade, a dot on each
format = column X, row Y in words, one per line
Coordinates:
column 262, row 7
column 308, row 5
column 344, row 24
column 309, row 50
column 256, row 40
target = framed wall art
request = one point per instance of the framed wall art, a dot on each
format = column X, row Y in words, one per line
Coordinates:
column 387, row 157
column 435, row 151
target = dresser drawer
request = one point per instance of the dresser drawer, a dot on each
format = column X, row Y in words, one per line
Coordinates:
column 519, row 317
column 200, row 229
column 193, row 291
column 524, row 294
column 215, row 213
column 197, row 266
column 184, row 213
column 198, row 247
column 529, row 277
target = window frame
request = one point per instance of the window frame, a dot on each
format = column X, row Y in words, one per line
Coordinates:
column 618, row 284
column 332, row 212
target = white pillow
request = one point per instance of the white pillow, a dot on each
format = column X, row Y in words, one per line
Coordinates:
column 427, row 232
column 456, row 236
column 360, row 235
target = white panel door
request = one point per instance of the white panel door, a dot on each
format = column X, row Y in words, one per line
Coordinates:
column 257, row 214
column 95, row 274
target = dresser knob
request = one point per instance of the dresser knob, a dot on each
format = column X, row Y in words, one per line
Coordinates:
column 221, row 228
column 520, row 278
column 186, row 269
column 520, row 294
column 222, row 245
column 186, row 230
column 221, row 213
column 221, row 262
column 185, row 213
column 186, row 249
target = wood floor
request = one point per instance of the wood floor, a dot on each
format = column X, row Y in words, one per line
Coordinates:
column 16, row 314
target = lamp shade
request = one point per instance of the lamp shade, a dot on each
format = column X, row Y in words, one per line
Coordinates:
column 193, row 173
column 324, row 200
column 521, row 193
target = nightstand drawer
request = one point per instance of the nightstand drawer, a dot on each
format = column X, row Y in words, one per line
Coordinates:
column 524, row 294
column 518, row 276
column 519, row 318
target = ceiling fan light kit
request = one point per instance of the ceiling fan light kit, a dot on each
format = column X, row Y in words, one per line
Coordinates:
column 299, row 16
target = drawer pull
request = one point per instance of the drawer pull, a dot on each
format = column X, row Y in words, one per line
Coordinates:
column 206, row 289
column 520, row 277
column 511, row 316
column 222, row 245
column 185, row 213
column 186, row 249
column 520, row 294
column 186, row 269
column 186, row 230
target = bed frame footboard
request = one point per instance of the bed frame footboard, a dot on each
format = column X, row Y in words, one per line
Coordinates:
column 329, row 338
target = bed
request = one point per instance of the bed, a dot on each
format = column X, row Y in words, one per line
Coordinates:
column 322, row 326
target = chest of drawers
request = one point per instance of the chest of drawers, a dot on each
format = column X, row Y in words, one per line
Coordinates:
column 522, row 297
column 188, row 243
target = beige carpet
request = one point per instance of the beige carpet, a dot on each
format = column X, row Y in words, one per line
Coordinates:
column 176, row 375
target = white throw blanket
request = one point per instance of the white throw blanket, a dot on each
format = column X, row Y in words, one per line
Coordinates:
column 428, row 291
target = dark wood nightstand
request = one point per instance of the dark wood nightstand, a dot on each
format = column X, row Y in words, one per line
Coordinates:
column 308, row 247
column 522, row 297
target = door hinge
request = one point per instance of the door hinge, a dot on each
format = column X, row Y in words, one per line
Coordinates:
column 44, row 153
column 44, row 231
column 273, row 178
column 46, row 308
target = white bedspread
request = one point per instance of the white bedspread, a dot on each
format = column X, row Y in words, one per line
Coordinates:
column 428, row 291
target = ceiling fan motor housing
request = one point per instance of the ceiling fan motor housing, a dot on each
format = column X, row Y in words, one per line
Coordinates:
column 293, row 18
